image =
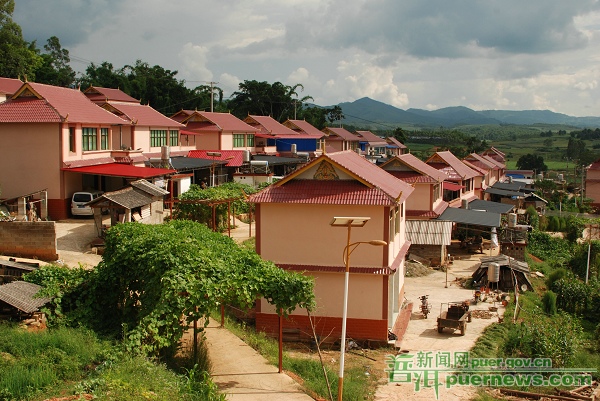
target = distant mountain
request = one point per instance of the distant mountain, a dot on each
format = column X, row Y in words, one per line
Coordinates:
column 371, row 113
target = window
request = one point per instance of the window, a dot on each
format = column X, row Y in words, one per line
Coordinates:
column 104, row 138
column 399, row 213
column 436, row 192
column 174, row 138
column 158, row 137
column 468, row 185
column 250, row 140
column 89, row 138
column 238, row 140
column 71, row 139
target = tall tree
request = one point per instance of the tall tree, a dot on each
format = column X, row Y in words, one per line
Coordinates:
column 105, row 76
column 531, row 162
column 18, row 58
column 277, row 100
column 55, row 68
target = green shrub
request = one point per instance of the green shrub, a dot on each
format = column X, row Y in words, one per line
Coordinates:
column 555, row 276
column 549, row 303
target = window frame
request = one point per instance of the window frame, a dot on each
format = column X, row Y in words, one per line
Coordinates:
column 236, row 141
column 89, row 139
column 173, row 137
column 104, row 139
column 158, row 137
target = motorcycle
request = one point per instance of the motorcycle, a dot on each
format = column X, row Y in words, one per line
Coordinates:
column 425, row 305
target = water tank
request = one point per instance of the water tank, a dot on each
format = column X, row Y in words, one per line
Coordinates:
column 560, row 177
column 464, row 204
column 493, row 273
column 259, row 163
column 512, row 219
column 246, row 156
column 294, row 148
column 165, row 152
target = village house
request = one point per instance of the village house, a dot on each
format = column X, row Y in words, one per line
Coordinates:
column 461, row 180
column 303, row 205
column 274, row 138
column 371, row 144
column 429, row 237
column 339, row 139
column 57, row 139
column 394, row 147
column 592, row 183
column 8, row 86
column 303, row 127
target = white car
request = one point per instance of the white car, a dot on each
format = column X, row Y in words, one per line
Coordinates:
column 78, row 201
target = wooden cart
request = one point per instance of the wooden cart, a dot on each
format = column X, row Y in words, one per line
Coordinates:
column 454, row 317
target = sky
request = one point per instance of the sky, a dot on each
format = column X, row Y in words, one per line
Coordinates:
column 426, row 54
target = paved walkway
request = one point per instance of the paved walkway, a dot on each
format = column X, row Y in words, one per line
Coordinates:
column 243, row 374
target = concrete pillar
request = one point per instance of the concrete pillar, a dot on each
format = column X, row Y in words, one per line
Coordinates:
column 44, row 205
column 21, row 209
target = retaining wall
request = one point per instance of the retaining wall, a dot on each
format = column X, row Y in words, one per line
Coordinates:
column 29, row 239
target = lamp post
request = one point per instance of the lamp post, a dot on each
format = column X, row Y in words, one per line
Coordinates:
column 348, row 222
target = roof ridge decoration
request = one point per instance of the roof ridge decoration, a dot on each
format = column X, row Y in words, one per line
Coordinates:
column 326, row 172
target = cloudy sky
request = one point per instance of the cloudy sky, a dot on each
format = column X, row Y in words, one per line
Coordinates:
column 429, row 54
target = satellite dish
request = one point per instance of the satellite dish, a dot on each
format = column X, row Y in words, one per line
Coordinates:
column 523, row 287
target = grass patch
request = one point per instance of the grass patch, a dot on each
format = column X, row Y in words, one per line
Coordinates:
column 64, row 362
column 357, row 385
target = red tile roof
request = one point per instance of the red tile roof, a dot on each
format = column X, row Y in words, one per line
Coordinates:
column 372, row 174
column 182, row 115
column 70, row 104
column 396, row 142
column 28, row 111
column 10, row 85
column 142, row 115
column 342, row 133
column 413, row 177
column 100, row 95
column 304, row 127
column 269, row 126
column 338, row 192
column 481, row 161
column 449, row 159
column 226, row 122
column 371, row 186
column 416, row 164
column 237, row 156
column 480, row 170
column 370, row 137
column 496, row 162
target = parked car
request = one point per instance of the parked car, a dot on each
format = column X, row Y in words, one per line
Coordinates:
column 78, row 201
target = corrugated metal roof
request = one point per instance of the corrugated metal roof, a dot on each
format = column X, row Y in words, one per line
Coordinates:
column 121, row 170
column 371, row 138
column 503, row 192
column 488, row 206
column 22, row 295
column 412, row 177
column 481, row 161
column 128, row 198
column 429, row 232
column 471, row 217
column 395, row 142
column 148, row 187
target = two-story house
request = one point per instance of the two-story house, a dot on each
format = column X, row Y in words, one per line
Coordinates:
column 302, row 205
column 339, row 139
column 57, row 139
column 371, row 144
column 461, row 179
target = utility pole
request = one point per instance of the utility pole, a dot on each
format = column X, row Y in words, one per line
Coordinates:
column 212, row 95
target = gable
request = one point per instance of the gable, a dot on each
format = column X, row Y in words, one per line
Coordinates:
column 325, row 171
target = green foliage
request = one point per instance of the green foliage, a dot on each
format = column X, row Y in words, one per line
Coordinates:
column 32, row 361
column 153, row 279
column 557, row 337
column 549, row 303
column 67, row 289
column 573, row 295
column 574, row 228
column 17, row 57
column 55, row 69
column 556, row 275
column 534, row 220
column 532, row 162
column 546, row 247
column 202, row 212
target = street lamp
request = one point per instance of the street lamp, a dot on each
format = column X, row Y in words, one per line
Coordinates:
column 349, row 222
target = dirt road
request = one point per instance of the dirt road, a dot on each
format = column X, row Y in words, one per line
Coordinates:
column 422, row 334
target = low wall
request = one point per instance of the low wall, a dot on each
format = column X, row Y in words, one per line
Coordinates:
column 29, row 239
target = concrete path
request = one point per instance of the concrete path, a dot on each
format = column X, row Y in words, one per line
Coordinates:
column 243, row 374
